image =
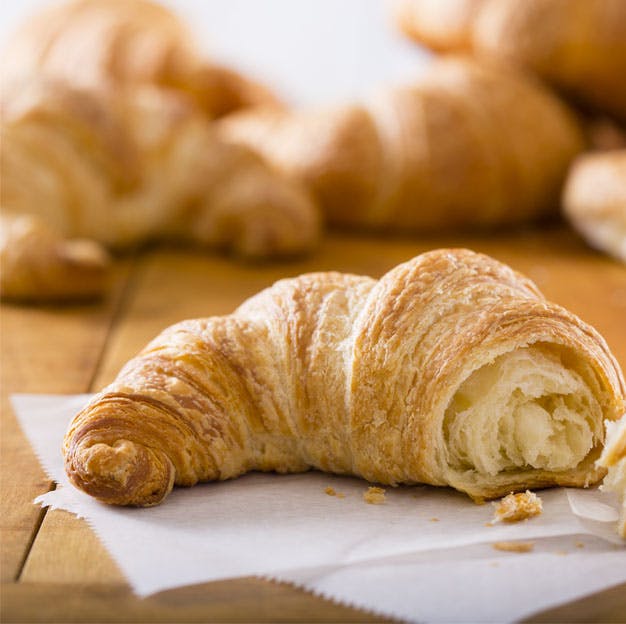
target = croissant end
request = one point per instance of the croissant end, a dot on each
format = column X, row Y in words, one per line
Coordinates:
column 125, row 473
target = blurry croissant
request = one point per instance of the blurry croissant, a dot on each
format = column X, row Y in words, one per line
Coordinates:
column 37, row 264
column 138, row 164
column 614, row 458
column 594, row 200
column 104, row 44
column 578, row 46
column 468, row 145
column 451, row 369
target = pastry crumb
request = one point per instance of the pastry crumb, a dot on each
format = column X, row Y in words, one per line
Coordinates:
column 434, row 519
column 516, row 507
column 579, row 545
column 332, row 492
column 488, row 524
column 518, row 547
column 374, row 495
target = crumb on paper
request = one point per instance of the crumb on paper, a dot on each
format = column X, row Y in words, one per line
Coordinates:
column 579, row 545
column 332, row 492
column 516, row 507
column 374, row 495
column 434, row 519
column 517, row 547
column 488, row 524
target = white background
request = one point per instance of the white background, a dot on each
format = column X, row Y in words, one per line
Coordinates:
column 310, row 51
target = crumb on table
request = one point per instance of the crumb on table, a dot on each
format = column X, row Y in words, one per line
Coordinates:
column 518, row 547
column 516, row 507
column 374, row 495
column 332, row 492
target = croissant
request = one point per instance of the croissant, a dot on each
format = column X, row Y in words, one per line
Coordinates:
column 39, row 265
column 105, row 44
column 594, row 200
column 614, row 458
column 468, row 145
column 451, row 370
column 578, row 46
column 141, row 164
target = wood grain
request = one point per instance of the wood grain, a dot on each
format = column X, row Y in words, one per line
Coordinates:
column 49, row 350
column 44, row 350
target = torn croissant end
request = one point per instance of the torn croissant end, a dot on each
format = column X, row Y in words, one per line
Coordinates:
column 451, row 370
column 614, row 459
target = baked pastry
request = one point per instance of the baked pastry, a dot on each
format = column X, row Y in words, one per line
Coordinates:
column 578, row 46
column 466, row 146
column 37, row 264
column 142, row 163
column 452, row 369
column 614, row 458
column 594, row 200
column 108, row 44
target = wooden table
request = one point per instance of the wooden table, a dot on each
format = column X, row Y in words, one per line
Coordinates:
column 53, row 567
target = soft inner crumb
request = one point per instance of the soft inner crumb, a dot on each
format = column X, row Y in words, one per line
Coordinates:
column 516, row 507
column 374, row 496
column 518, row 547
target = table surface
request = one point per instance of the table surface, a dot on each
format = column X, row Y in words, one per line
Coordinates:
column 54, row 569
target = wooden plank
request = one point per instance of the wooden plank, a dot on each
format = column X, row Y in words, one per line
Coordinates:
column 240, row 600
column 170, row 285
column 52, row 349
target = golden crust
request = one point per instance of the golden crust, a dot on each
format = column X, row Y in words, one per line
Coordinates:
column 594, row 200
column 577, row 46
column 350, row 375
column 469, row 145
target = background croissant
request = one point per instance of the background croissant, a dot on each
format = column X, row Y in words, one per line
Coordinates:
column 108, row 44
column 467, row 145
column 142, row 164
column 351, row 375
column 578, row 46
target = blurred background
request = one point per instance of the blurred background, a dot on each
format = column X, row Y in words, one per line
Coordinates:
column 308, row 51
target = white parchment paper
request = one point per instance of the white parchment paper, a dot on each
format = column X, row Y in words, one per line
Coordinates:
column 426, row 554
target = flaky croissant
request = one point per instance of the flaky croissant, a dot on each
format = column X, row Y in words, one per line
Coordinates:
column 451, row 369
column 108, row 44
column 594, row 200
column 37, row 264
column 614, row 459
column 579, row 46
column 137, row 164
column 468, row 145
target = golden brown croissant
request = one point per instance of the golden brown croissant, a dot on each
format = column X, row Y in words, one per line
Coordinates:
column 614, row 458
column 141, row 164
column 37, row 264
column 468, row 145
column 579, row 46
column 104, row 44
column 594, row 200
column 452, row 369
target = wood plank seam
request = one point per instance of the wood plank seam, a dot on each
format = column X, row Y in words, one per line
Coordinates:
column 123, row 299
column 40, row 518
column 123, row 305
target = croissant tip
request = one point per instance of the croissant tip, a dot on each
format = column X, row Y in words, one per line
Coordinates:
column 122, row 473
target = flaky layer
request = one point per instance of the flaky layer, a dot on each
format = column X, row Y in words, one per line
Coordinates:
column 450, row 370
